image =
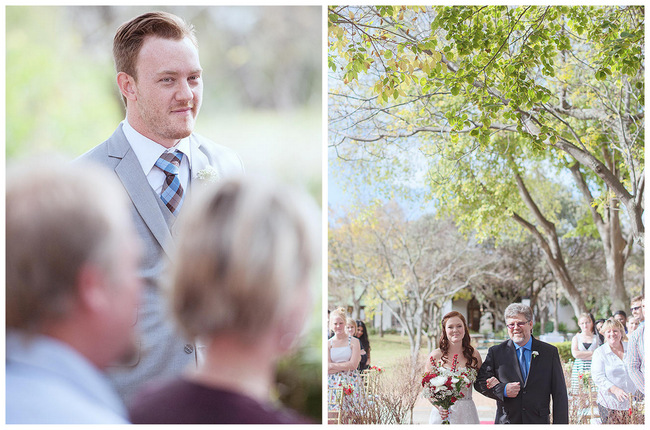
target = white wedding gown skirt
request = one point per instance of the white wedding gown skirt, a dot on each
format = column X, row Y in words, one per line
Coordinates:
column 462, row 412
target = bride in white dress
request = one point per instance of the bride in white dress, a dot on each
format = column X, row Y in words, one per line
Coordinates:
column 455, row 340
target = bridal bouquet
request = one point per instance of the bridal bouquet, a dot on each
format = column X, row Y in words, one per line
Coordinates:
column 443, row 386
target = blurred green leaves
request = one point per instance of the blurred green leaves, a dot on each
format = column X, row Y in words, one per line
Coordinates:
column 56, row 99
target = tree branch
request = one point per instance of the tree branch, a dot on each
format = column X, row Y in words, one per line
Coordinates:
column 586, row 194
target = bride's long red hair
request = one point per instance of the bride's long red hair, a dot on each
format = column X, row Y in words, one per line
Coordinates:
column 468, row 349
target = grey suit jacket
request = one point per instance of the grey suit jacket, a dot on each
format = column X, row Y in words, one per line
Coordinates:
column 162, row 350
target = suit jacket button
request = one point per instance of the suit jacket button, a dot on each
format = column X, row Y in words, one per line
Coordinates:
column 189, row 349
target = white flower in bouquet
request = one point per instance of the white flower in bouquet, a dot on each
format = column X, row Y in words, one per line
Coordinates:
column 438, row 382
column 443, row 387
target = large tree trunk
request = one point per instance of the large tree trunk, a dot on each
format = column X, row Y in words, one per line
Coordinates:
column 356, row 307
column 611, row 236
column 431, row 324
column 551, row 246
column 615, row 258
column 543, row 317
column 416, row 339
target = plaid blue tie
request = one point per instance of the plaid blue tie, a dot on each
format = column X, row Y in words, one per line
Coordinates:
column 172, row 191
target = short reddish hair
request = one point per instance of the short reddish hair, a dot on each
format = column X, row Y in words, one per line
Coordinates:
column 130, row 37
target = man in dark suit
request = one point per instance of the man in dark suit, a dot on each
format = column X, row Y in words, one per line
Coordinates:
column 158, row 159
column 529, row 374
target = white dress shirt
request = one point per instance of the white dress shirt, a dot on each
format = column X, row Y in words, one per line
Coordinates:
column 148, row 152
column 48, row 382
column 607, row 369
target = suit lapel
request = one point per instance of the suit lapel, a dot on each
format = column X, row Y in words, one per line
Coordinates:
column 129, row 170
column 512, row 352
column 199, row 159
column 533, row 361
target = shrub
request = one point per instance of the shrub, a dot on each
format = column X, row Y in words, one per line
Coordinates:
column 298, row 378
column 564, row 348
column 537, row 328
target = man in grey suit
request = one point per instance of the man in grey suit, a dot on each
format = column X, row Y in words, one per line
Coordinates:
column 158, row 159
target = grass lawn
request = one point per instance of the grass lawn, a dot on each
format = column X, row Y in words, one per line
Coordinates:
column 388, row 351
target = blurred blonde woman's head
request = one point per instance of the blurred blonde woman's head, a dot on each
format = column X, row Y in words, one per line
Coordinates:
column 350, row 326
column 612, row 324
column 244, row 257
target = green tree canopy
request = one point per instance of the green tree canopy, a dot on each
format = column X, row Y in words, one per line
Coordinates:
column 497, row 100
column 567, row 80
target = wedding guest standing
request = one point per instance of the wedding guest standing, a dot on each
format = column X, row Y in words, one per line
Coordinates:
column 157, row 157
column 583, row 346
column 350, row 327
column 632, row 324
column 599, row 325
column 344, row 351
column 621, row 317
column 637, row 308
column 362, row 335
column 609, row 373
column 72, row 292
column 344, row 354
column 635, row 357
column 241, row 285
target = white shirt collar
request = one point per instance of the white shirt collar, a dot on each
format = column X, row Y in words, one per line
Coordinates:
column 148, row 151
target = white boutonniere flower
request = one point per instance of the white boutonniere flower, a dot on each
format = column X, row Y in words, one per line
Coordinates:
column 208, row 175
column 535, row 354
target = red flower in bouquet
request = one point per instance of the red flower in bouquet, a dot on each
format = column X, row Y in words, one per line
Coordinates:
column 443, row 387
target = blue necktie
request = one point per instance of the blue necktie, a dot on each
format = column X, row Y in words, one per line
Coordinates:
column 172, row 191
column 522, row 363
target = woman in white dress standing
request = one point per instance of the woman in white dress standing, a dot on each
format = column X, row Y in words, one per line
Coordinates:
column 455, row 340
column 343, row 358
column 583, row 346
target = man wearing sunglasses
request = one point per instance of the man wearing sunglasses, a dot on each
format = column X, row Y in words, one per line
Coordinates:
column 529, row 374
column 636, row 308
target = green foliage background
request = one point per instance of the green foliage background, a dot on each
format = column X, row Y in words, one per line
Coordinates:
column 56, row 99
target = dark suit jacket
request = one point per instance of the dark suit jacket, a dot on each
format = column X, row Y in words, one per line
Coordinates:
column 545, row 380
column 162, row 351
